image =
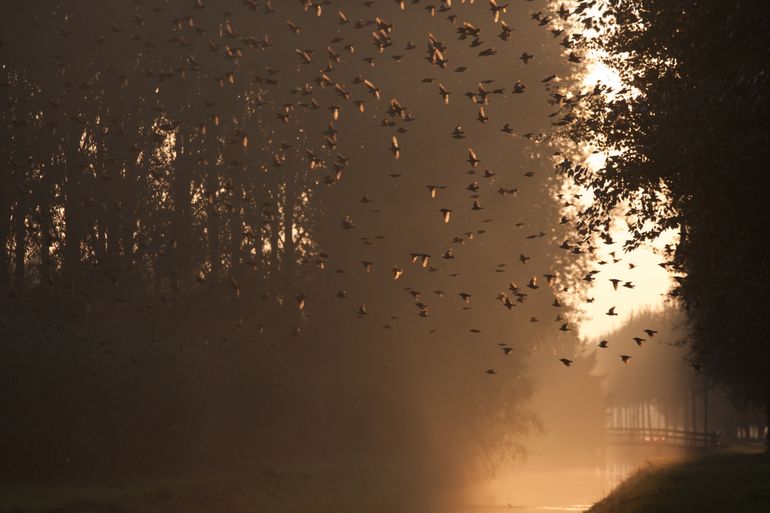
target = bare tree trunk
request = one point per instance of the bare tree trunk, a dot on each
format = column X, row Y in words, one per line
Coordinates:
column 182, row 196
column 6, row 209
column 212, row 225
column 289, row 248
column 686, row 409
column 100, row 240
column 72, row 218
column 20, row 250
column 235, row 223
column 5, row 219
column 46, row 240
column 693, row 411
column 211, row 155
column 252, row 217
column 767, row 424
column 637, row 423
column 128, row 215
column 705, row 404
column 648, row 416
column 100, row 214
column 275, row 263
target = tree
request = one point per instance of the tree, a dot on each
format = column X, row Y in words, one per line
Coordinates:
column 687, row 145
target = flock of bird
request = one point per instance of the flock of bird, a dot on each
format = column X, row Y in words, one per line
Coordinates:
column 437, row 57
column 345, row 98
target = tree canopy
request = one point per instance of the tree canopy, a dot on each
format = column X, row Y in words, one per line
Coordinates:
column 687, row 143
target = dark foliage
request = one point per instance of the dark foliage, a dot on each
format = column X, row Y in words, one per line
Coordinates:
column 690, row 143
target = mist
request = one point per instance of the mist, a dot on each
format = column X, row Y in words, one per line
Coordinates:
column 224, row 265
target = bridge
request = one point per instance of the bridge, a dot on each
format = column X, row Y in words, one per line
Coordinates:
column 661, row 436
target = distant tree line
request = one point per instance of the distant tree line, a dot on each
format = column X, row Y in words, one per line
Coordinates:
column 139, row 170
column 143, row 195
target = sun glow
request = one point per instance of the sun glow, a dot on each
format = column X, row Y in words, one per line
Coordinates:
column 644, row 284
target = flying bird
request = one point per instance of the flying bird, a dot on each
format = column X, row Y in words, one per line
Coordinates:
column 473, row 160
column 293, row 27
column 496, row 9
column 394, row 147
column 433, row 189
column 444, row 93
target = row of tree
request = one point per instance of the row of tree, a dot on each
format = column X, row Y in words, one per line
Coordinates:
column 687, row 142
column 149, row 220
column 134, row 171
column 161, row 212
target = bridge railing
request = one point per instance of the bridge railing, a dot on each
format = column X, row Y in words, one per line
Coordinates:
column 636, row 436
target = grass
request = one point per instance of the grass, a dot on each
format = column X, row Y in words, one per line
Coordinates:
column 729, row 482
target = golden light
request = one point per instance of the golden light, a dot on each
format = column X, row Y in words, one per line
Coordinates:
column 645, row 284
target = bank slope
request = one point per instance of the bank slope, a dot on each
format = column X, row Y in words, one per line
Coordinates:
column 720, row 483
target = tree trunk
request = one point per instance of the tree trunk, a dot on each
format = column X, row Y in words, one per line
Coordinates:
column 705, row 404
column 99, row 236
column 130, row 187
column 694, row 414
column 212, row 225
column 20, row 246
column 73, row 213
column 235, row 222
column 767, row 425
column 289, row 249
column 181, row 190
column 648, row 416
column 5, row 218
column 46, row 240
column 686, row 410
column 5, row 212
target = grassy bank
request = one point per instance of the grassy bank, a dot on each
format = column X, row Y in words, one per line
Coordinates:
column 734, row 482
